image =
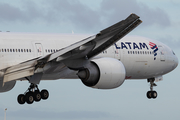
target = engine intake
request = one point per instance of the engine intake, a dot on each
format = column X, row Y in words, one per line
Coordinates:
column 103, row 73
column 7, row 86
column 90, row 76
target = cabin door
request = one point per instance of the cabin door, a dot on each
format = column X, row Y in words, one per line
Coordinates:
column 39, row 49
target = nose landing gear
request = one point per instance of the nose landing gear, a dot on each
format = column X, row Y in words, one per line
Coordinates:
column 151, row 94
column 32, row 94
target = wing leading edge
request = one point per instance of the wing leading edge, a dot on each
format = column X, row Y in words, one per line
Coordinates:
column 86, row 48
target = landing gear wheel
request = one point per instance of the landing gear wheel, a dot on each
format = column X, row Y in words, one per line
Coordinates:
column 44, row 94
column 21, row 99
column 29, row 98
column 32, row 94
column 148, row 94
column 151, row 94
column 154, row 94
column 37, row 96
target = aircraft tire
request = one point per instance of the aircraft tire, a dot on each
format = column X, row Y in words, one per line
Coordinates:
column 29, row 98
column 149, row 93
column 154, row 94
column 44, row 94
column 37, row 96
column 21, row 99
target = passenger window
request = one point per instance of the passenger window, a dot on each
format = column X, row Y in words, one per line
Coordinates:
column 7, row 50
column 21, row 50
column 4, row 50
column 29, row 50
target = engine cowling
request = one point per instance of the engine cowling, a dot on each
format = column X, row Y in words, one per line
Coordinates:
column 103, row 73
column 7, row 86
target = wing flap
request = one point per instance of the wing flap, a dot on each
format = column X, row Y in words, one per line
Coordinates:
column 18, row 74
column 19, row 71
column 20, row 67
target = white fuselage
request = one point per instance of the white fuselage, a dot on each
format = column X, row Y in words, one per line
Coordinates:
column 140, row 59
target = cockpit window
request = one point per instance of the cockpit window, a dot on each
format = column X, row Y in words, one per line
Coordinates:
column 173, row 52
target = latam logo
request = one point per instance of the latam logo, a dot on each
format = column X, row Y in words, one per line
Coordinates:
column 154, row 47
column 138, row 46
column 131, row 45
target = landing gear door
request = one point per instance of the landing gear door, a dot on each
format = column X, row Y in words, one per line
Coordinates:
column 117, row 53
column 39, row 49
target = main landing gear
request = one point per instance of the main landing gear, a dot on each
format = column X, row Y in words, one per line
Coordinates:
column 32, row 94
column 151, row 94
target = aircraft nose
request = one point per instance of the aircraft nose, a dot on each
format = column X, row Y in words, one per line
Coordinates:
column 176, row 61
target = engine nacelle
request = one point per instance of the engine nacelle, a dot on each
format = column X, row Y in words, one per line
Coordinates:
column 7, row 86
column 103, row 73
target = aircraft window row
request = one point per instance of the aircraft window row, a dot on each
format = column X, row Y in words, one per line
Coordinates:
column 105, row 51
column 140, row 52
column 51, row 50
column 15, row 50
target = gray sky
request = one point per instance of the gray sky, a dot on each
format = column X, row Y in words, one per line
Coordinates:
column 70, row 99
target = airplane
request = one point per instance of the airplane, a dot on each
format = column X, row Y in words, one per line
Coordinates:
column 101, row 61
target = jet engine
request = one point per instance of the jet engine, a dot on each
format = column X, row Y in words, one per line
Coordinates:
column 103, row 73
column 7, row 86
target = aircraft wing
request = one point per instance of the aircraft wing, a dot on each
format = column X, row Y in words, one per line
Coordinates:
column 96, row 44
column 86, row 48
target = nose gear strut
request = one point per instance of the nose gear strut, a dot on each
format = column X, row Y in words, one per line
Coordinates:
column 32, row 94
column 151, row 94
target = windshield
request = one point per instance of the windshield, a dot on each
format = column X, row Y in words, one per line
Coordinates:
column 173, row 52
